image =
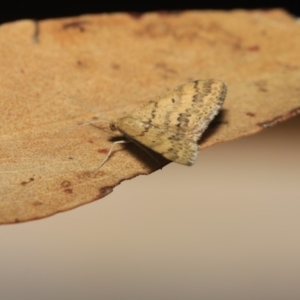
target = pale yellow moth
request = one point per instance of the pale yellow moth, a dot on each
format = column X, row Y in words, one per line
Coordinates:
column 172, row 124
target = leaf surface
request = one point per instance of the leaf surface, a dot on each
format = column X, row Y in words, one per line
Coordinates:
column 114, row 63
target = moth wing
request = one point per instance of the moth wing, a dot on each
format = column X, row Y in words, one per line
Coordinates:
column 189, row 107
column 172, row 124
column 174, row 146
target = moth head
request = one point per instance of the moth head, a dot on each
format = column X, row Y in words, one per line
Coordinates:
column 113, row 125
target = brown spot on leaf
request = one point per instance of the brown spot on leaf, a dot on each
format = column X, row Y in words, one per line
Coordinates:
column 65, row 184
column 26, row 182
column 103, row 151
column 253, row 48
column 115, row 66
column 68, row 191
column 106, row 190
column 76, row 25
column 136, row 15
column 103, row 192
column 37, row 203
column 262, row 85
column 280, row 119
column 157, row 30
column 165, row 67
column 250, row 114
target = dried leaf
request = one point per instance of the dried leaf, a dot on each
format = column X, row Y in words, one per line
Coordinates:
column 115, row 63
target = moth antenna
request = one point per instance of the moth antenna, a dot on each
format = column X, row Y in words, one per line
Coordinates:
column 93, row 122
column 87, row 106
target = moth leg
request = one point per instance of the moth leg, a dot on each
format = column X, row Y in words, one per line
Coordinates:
column 109, row 152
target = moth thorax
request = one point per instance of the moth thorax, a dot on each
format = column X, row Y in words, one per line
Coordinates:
column 113, row 125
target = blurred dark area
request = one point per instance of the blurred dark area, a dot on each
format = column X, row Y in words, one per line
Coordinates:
column 18, row 10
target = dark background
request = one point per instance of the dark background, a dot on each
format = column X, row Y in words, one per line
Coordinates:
column 16, row 10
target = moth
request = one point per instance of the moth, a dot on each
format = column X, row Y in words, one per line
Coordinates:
column 172, row 124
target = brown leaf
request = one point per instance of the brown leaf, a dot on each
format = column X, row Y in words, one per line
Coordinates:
column 115, row 63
